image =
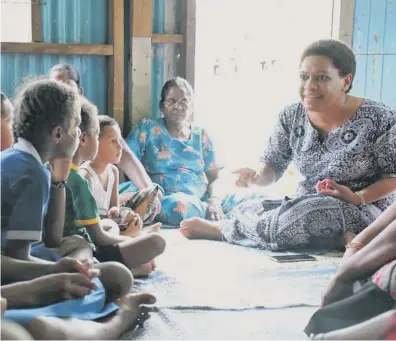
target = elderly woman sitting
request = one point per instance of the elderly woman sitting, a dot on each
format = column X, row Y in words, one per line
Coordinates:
column 344, row 146
column 180, row 157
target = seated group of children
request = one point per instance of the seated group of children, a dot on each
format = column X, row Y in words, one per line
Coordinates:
column 69, row 250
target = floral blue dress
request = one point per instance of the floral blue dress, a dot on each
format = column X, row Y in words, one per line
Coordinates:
column 357, row 154
column 178, row 167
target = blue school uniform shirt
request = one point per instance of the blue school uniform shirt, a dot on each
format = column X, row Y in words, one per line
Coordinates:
column 177, row 166
column 25, row 188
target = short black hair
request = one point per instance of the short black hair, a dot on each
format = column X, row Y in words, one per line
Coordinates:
column 3, row 99
column 177, row 82
column 340, row 54
column 71, row 71
column 40, row 105
column 105, row 121
column 89, row 115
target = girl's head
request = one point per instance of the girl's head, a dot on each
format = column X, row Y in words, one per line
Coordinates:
column 177, row 99
column 66, row 73
column 327, row 69
column 47, row 114
column 110, row 148
column 89, row 127
column 7, row 114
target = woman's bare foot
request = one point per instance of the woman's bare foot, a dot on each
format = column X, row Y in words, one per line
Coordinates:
column 198, row 228
column 145, row 269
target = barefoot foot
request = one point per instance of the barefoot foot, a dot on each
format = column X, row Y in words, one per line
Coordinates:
column 198, row 228
column 131, row 310
column 145, row 269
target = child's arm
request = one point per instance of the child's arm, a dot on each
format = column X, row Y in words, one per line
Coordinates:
column 115, row 201
column 55, row 219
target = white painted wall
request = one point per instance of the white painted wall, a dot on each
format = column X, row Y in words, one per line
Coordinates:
column 16, row 20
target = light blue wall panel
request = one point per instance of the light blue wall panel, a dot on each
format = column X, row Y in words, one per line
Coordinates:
column 374, row 42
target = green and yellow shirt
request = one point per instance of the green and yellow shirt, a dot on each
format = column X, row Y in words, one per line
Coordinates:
column 81, row 207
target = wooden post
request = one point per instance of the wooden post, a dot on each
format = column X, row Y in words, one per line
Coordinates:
column 37, row 35
column 343, row 20
column 116, row 62
column 188, row 29
column 140, row 65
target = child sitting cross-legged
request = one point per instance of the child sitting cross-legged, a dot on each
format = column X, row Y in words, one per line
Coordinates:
column 103, row 176
column 46, row 127
column 82, row 215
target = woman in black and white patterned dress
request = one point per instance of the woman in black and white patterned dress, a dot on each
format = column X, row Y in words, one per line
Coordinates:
column 344, row 147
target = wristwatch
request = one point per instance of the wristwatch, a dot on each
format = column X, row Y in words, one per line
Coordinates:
column 59, row 184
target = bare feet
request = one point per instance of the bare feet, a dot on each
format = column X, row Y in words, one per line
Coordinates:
column 198, row 228
column 145, row 269
column 131, row 313
column 153, row 228
column 131, row 310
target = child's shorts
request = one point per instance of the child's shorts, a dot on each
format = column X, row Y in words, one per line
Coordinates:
column 110, row 253
column 90, row 307
column 42, row 252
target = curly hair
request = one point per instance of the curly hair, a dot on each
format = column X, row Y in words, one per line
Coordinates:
column 340, row 54
column 70, row 70
column 177, row 82
column 3, row 99
column 106, row 121
column 89, row 115
column 40, row 105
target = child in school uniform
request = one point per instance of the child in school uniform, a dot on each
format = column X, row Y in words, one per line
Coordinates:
column 82, row 215
column 47, row 118
column 103, row 176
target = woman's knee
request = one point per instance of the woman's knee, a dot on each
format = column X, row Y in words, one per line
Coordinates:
column 116, row 278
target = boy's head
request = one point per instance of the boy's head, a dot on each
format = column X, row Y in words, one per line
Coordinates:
column 67, row 73
column 7, row 114
column 47, row 114
column 89, row 126
column 110, row 149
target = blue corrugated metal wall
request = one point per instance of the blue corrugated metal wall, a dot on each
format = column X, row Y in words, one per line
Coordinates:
column 374, row 42
column 66, row 21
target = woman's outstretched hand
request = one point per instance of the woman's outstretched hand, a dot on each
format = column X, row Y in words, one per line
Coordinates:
column 333, row 189
column 247, row 177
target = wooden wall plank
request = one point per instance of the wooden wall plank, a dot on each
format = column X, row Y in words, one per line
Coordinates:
column 347, row 14
column 37, row 34
column 167, row 38
column 140, row 64
column 116, row 63
column 52, row 48
column 142, row 18
column 188, row 30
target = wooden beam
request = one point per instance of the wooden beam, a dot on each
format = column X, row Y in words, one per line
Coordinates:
column 50, row 48
column 167, row 38
column 37, row 35
column 140, row 64
column 116, row 63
